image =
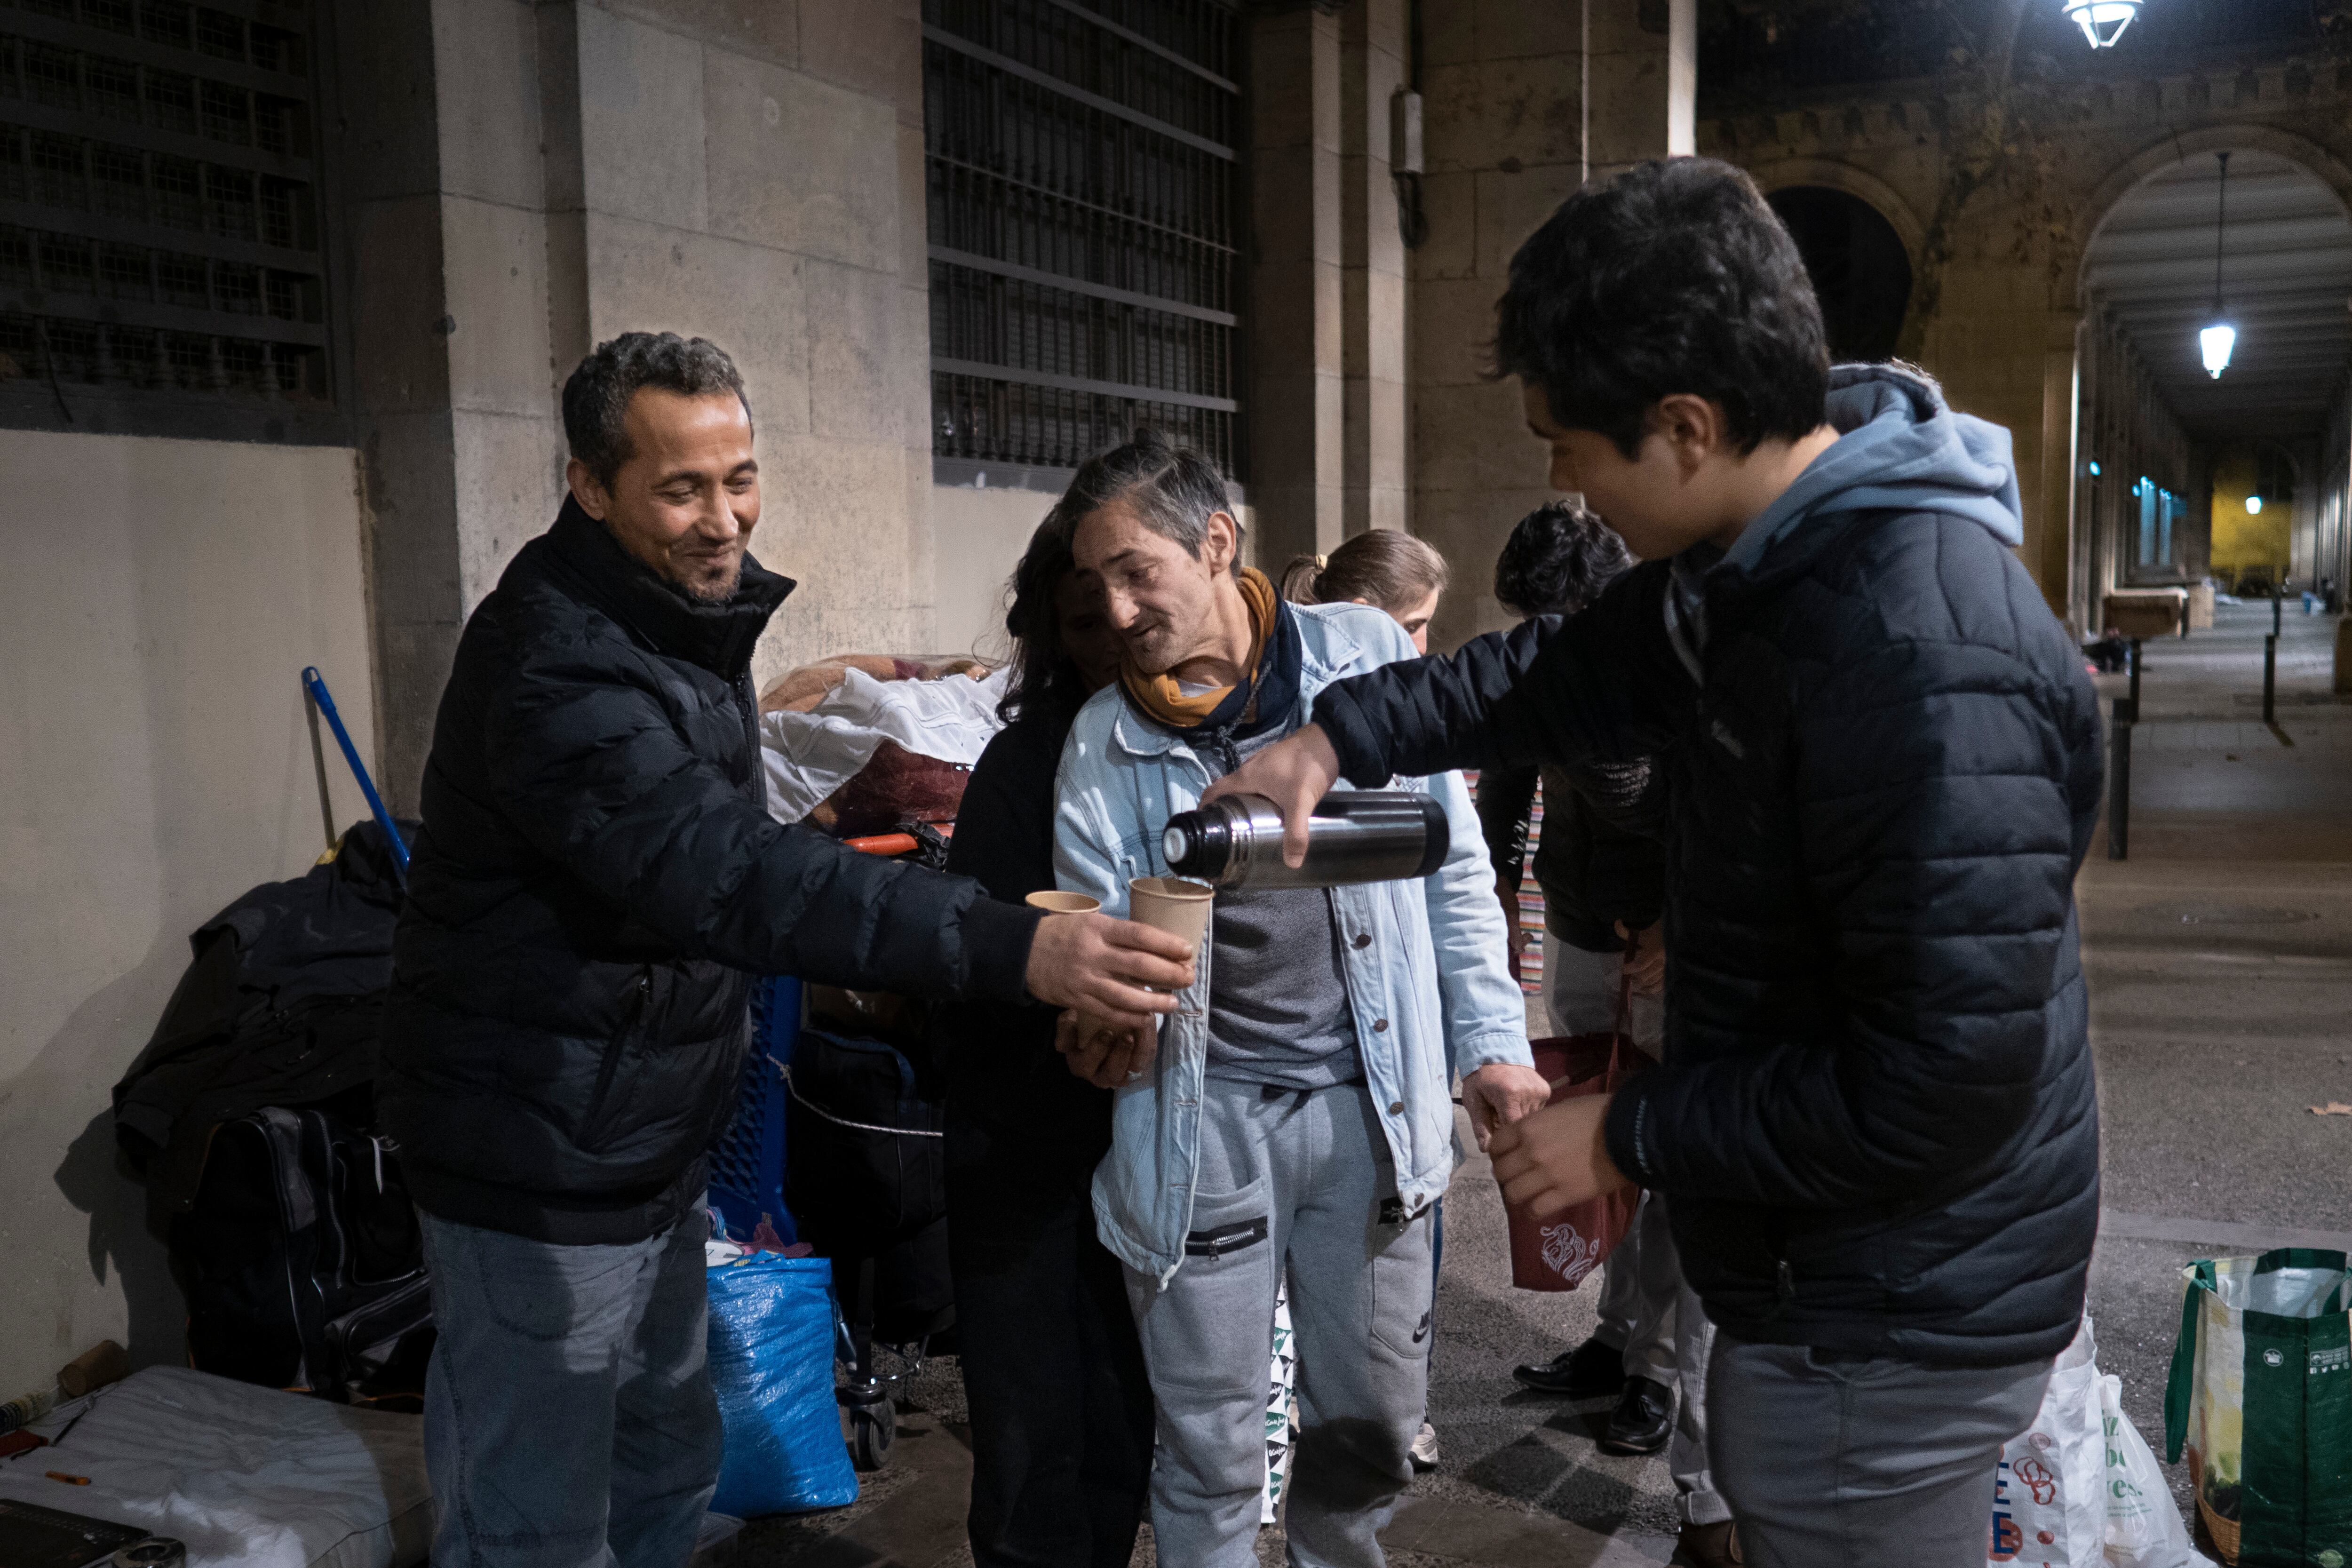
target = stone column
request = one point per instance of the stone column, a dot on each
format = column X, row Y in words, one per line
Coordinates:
column 2049, row 548
column 442, row 225
column 1298, row 402
column 1372, row 290
column 1525, row 101
column 522, row 181
column 1640, row 82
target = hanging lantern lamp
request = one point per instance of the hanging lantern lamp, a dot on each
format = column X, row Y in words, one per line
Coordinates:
column 2103, row 21
column 2215, row 342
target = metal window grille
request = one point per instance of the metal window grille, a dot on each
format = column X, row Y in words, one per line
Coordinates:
column 1083, row 185
column 159, row 182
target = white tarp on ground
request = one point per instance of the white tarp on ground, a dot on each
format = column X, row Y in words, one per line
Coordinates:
column 244, row 1475
column 810, row 755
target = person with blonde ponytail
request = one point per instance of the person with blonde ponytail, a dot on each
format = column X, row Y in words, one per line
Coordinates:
column 1385, row 569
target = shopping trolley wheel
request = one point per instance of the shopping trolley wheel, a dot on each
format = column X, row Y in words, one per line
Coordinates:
column 872, row 1429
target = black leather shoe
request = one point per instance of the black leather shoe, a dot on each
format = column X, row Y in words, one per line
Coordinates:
column 1642, row 1421
column 1591, row 1371
column 1708, row 1546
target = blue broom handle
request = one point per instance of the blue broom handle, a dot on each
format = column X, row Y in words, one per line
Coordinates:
column 316, row 686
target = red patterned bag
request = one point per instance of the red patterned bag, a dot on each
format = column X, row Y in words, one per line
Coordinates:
column 1557, row 1252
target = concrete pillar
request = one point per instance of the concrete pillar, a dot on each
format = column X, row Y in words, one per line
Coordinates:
column 1525, row 101
column 528, row 180
column 1372, row 287
column 1641, row 80
column 2048, row 549
column 1297, row 401
column 445, row 217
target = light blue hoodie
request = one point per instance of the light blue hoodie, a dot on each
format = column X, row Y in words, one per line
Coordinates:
column 1900, row 447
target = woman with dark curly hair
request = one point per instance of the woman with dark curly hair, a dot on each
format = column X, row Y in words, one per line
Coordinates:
column 1061, row 1408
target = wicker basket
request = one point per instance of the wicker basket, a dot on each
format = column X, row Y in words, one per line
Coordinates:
column 2222, row 1532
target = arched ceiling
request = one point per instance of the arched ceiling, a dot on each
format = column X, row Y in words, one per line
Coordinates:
column 2286, row 285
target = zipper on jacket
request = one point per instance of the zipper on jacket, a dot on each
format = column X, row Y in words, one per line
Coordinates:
column 1784, row 1289
column 631, row 1021
column 750, row 701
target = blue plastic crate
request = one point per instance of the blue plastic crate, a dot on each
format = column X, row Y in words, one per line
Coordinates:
column 747, row 1170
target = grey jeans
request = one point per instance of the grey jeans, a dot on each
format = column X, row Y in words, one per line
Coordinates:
column 1640, row 1290
column 569, row 1419
column 1652, row 1314
column 1858, row 1464
column 1302, row 1175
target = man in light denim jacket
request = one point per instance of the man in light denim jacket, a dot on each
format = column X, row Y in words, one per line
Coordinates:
column 1298, row 1109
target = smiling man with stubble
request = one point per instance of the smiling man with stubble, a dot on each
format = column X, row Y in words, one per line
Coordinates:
column 595, row 887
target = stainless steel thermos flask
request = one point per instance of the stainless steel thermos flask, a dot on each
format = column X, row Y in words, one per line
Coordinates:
column 1354, row 835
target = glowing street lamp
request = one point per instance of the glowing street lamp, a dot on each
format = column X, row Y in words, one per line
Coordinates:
column 2103, row 21
column 2217, row 339
column 2215, row 344
column 2254, row 506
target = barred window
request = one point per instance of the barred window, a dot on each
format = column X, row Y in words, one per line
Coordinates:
column 1084, row 187
column 159, row 233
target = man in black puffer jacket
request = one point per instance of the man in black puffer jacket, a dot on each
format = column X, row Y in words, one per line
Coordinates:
column 1875, row 1121
column 596, row 882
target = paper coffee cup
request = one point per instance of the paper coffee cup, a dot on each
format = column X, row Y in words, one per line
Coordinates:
column 1177, row 905
column 1059, row 903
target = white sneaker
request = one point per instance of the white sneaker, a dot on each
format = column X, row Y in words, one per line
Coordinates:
column 1425, row 1448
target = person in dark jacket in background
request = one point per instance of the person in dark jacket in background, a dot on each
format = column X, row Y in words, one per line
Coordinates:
column 1600, row 862
column 595, row 884
column 1061, row 1405
column 1603, row 869
column 1876, row 1122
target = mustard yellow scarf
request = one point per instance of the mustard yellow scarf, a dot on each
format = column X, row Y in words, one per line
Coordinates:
column 1159, row 697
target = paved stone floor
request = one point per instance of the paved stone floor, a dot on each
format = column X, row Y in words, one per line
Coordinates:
column 2220, row 956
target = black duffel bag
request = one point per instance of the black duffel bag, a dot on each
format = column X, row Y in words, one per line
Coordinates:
column 250, row 1117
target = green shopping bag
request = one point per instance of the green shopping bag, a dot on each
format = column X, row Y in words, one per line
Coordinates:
column 2261, row 1396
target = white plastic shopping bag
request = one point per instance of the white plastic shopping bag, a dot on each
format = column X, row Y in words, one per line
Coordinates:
column 2080, row 1488
column 2049, row 1500
column 2144, row 1528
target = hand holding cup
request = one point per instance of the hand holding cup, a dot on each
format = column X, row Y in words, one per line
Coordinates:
column 1120, row 973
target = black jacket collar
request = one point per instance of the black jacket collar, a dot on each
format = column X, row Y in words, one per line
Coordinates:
column 717, row 637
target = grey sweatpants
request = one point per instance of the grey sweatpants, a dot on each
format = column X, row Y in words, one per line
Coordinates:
column 1305, row 1176
column 1858, row 1464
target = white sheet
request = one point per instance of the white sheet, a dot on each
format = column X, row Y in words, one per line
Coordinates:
column 244, row 1475
column 809, row 755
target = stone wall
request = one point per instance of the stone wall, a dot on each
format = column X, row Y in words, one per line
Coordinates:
column 528, row 180
column 158, row 602
column 1997, row 192
column 1326, row 396
column 1525, row 101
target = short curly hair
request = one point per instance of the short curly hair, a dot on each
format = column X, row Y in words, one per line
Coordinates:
column 596, row 397
column 1674, row 276
column 1557, row 560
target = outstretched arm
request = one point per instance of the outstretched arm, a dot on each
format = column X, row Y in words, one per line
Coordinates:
column 1603, row 683
column 597, row 777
